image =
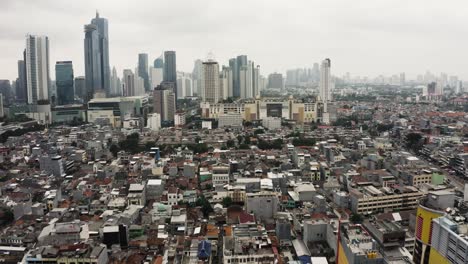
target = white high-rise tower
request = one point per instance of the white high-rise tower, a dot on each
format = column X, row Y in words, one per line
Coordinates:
column 325, row 81
column 37, row 68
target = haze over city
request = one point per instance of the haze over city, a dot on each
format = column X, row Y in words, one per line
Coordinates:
column 223, row 132
column 365, row 38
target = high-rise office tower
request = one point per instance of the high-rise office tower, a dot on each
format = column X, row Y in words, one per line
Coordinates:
column 2, row 111
column 6, row 89
column 80, row 87
column 139, row 84
column 143, row 69
column 325, row 81
column 156, row 72
column 37, row 69
column 116, row 87
column 226, row 82
column 235, row 77
column 210, row 91
column 255, row 80
column 64, row 80
column 158, row 63
column 21, row 89
column 164, row 101
column 170, row 69
column 96, row 46
column 197, row 76
column 128, row 81
column 241, row 61
column 402, row 78
column 245, row 81
column 275, row 81
column 156, row 76
column 316, row 72
column 184, row 85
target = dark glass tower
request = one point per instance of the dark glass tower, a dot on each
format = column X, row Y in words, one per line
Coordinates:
column 240, row 62
column 21, row 89
column 143, row 69
column 64, row 81
column 170, row 69
column 96, row 45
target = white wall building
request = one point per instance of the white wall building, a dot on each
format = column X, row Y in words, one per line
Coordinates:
column 154, row 121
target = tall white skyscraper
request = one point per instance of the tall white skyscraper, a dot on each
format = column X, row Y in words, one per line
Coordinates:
column 184, row 85
column 228, row 82
column 210, row 91
column 156, row 77
column 37, row 68
column 246, row 81
column 116, row 87
column 256, row 81
column 197, row 76
column 139, row 85
column 325, row 81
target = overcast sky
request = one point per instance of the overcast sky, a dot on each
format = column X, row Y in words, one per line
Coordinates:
column 363, row 37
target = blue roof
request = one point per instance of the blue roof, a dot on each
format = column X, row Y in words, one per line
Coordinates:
column 204, row 249
column 305, row 259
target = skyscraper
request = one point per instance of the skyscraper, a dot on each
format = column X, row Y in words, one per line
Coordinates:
column 325, row 81
column 21, row 89
column 170, row 69
column 275, row 81
column 64, row 80
column 80, row 87
column 256, row 80
column 37, row 69
column 197, row 76
column 156, row 76
column 143, row 69
column 245, row 81
column 235, row 77
column 184, row 85
column 164, row 101
column 210, row 91
column 116, row 87
column 159, row 63
column 241, row 61
column 128, row 81
column 96, row 45
column 226, row 82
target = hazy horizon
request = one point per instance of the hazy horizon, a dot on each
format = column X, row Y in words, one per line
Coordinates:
column 365, row 38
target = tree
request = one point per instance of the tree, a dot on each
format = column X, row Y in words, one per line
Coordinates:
column 130, row 144
column 259, row 131
column 303, row 142
column 244, row 146
column 227, row 201
column 199, row 148
column 356, row 218
column 230, row 143
column 114, row 149
column 150, row 144
column 205, row 205
column 414, row 141
column 7, row 216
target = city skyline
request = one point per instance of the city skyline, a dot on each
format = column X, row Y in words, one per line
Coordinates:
column 318, row 30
